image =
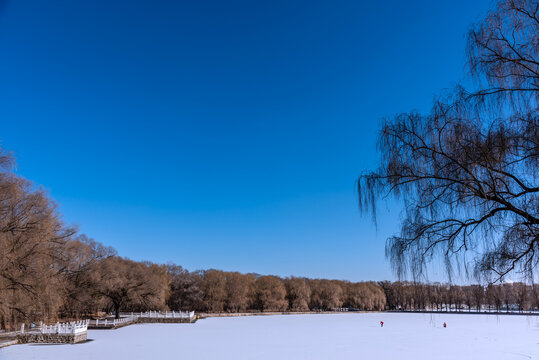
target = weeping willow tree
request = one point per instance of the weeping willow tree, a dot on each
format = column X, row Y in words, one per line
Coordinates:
column 467, row 171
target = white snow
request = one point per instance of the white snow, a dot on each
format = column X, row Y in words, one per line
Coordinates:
column 340, row 336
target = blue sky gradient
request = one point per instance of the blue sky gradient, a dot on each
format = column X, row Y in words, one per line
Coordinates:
column 222, row 134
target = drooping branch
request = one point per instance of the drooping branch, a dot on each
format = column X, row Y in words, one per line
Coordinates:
column 467, row 172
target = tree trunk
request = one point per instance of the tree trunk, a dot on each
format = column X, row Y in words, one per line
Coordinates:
column 117, row 310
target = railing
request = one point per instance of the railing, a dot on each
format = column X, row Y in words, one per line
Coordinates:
column 77, row 327
column 126, row 318
column 167, row 314
column 114, row 322
column 71, row 328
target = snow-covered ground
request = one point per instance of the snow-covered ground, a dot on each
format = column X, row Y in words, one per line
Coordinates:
column 339, row 336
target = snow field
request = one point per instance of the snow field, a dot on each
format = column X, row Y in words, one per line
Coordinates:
column 405, row 336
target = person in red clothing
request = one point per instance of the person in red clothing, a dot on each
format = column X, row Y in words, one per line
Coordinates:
column 445, row 325
column 381, row 324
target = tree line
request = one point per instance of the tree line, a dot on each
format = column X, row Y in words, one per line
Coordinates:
column 217, row 291
column 506, row 297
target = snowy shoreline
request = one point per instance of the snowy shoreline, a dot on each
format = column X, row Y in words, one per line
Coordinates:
column 273, row 313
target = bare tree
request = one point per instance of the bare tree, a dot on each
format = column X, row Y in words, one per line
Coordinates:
column 508, row 296
column 326, row 294
column 497, row 293
column 129, row 285
column 534, row 296
column 237, row 291
column 364, row 296
column 214, row 288
column 79, row 266
column 32, row 239
column 467, row 172
column 298, row 293
column 270, row 294
column 521, row 295
column 478, row 293
column 185, row 289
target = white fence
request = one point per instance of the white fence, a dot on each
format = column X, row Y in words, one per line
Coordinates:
column 126, row 318
column 167, row 314
column 71, row 328
column 114, row 322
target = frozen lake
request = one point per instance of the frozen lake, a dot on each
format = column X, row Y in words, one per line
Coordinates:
column 339, row 336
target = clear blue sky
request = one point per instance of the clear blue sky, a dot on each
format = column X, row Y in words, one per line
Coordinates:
column 222, row 134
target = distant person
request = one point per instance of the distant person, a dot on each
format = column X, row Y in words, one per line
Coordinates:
column 445, row 325
column 381, row 324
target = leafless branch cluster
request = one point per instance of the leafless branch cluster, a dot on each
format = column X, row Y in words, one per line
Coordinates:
column 467, row 172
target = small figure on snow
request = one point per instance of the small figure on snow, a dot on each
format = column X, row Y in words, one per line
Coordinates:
column 381, row 324
column 445, row 325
